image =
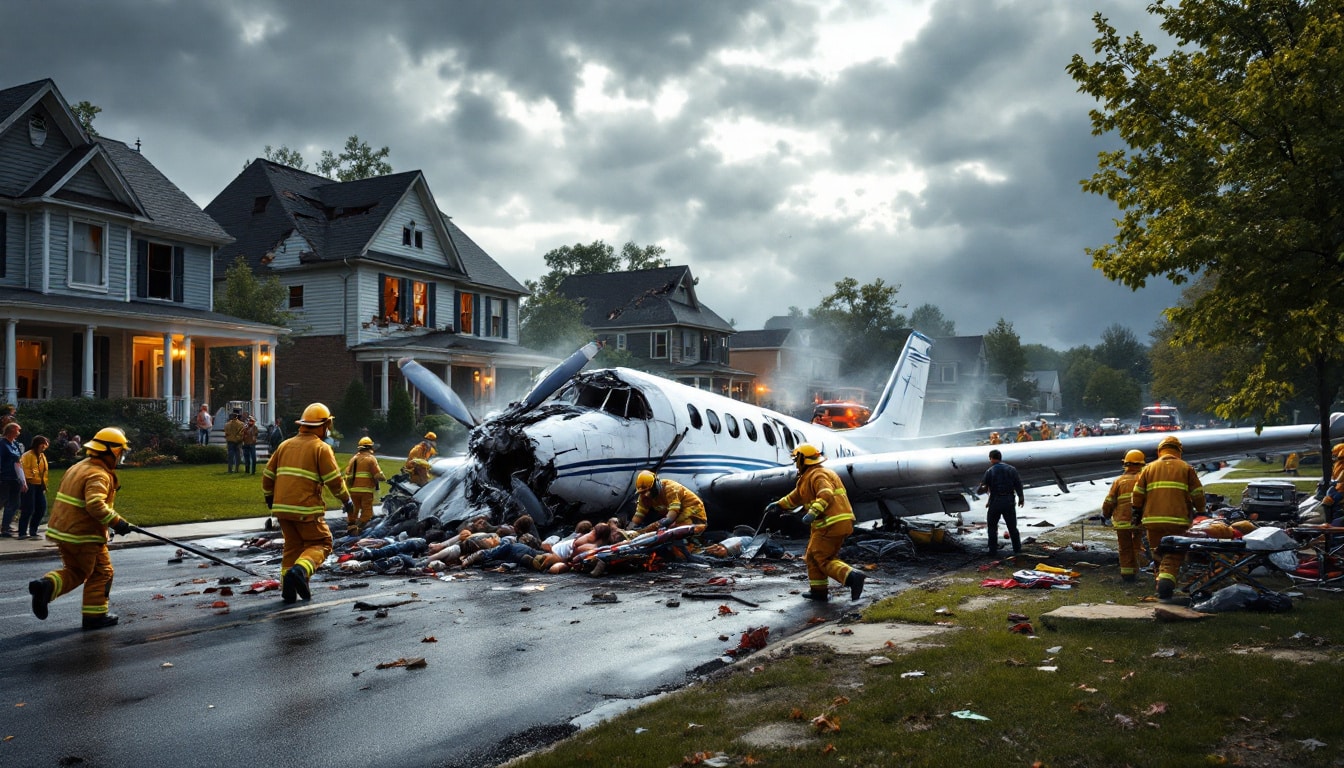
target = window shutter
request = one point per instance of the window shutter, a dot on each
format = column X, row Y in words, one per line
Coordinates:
column 476, row 315
column 77, row 370
column 455, row 312
column 382, row 310
column 179, row 266
column 4, row 242
column 429, row 297
column 504, row 321
column 406, row 302
column 142, row 268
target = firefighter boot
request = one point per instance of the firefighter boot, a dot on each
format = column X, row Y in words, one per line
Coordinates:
column 818, row 594
column 99, row 620
column 1165, row 589
column 42, row 590
column 855, row 583
column 294, row 584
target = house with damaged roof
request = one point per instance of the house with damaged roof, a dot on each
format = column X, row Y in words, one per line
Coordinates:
column 655, row 315
column 106, row 269
column 376, row 272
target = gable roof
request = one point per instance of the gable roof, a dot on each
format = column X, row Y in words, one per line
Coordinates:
column 768, row 338
column 1046, row 381
column 169, row 209
column 965, row 350
column 639, row 298
column 338, row 220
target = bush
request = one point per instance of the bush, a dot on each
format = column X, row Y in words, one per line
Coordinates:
column 148, row 457
column 144, row 425
column 401, row 418
column 354, row 411
column 205, row 454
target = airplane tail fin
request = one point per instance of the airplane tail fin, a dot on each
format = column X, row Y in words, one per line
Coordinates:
column 900, row 409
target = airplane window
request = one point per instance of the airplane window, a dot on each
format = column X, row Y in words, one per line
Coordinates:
column 750, row 428
column 799, row 437
column 713, row 417
column 731, row 421
column 695, row 416
column 788, row 437
column 769, row 433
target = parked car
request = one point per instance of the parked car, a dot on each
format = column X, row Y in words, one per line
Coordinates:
column 1111, row 426
column 1271, row 500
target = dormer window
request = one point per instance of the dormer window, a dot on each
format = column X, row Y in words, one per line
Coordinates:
column 259, row 204
column 411, row 235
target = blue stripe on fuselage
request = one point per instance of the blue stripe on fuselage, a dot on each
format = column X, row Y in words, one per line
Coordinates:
column 684, row 464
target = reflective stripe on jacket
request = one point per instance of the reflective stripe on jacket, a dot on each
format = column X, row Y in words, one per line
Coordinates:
column 821, row 491
column 296, row 472
column 363, row 472
column 82, row 511
column 674, row 500
column 1119, row 501
column 1168, row 491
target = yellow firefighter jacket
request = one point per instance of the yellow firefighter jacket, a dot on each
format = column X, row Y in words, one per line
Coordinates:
column 674, row 500
column 82, row 511
column 1168, row 491
column 820, row 490
column 363, row 473
column 417, row 462
column 1117, row 505
column 296, row 472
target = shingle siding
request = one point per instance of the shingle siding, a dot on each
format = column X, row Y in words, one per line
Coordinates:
column 23, row 162
column 389, row 238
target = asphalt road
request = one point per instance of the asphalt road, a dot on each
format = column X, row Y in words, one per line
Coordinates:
column 515, row 658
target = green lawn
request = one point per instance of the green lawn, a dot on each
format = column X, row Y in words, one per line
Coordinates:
column 193, row 493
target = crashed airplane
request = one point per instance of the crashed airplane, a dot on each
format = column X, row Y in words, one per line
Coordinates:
column 571, row 448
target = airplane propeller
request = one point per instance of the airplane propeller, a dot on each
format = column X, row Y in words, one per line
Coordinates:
column 437, row 391
column 562, row 373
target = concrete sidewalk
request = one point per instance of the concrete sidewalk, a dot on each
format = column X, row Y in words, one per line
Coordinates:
column 237, row 528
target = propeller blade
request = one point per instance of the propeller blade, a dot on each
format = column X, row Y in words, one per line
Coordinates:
column 562, row 373
column 437, row 391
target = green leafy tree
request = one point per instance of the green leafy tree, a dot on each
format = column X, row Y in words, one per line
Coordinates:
column 285, row 156
column 249, row 297
column 401, row 418
column 548, row 320
column 1111, row 392
column 1121, row 350
column 357, row 161
column 1042, row 358
column 85, row 112
column 1075, row 371
column 869, row 330
column 354, row 411
column 1231, row 168
column 928, row 320
column 1003, row 353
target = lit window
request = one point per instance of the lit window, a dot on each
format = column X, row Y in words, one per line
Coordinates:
column 88, row 255
column 659, row 345
column 420, row 303
column 466, row 303
column 391, row 299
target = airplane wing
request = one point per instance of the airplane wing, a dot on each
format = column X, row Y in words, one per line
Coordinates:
column 923, row 481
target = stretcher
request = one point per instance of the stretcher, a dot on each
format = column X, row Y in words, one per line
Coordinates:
column 1211, row 562
column 1322, row 555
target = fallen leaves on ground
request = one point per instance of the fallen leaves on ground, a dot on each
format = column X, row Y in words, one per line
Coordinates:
column 828, row 749
column 724, row 610
column 817, row 620
column 796, row 714
column 430, row 639
column 826, row 724
column 1156, row 708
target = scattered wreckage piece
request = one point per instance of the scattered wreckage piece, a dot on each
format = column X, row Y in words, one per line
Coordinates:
column 718, row 596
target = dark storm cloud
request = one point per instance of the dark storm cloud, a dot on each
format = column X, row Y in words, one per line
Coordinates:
column 485, row 98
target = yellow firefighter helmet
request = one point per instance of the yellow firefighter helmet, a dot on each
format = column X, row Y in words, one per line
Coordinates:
column 431, row 436
column 807, row 455
column 1170, row 442
column 1134, row 457
column 646, row 482
column 315, row 415
column 108, row 440
column 366, row 442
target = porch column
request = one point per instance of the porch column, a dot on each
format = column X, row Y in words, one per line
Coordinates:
column 168, row 376
column 87, row 384
column 256, row 378
column 205, row 376
column 188, row 359
column 11, row 360
column 382, row 395
column 270, row 384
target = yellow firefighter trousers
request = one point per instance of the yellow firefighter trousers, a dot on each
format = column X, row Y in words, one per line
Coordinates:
column 363, row 511
column 1168, row 565
column 87, row 564
column 307, row 543
column 1130, row 543
column 822, row 547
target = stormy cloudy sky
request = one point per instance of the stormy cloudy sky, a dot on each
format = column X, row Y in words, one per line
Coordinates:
column 775, row 146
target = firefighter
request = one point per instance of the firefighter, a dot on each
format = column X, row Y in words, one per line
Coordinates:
column 673, row 502
column 820, row 491
column 1046, row 432
column 417, row 462
column 80, row 518
column 1166, row 496
column 362, row 474
column 292, row 485
column 1023, row 436
column 994, row 439
column 1332, row 497
column 1117, row 511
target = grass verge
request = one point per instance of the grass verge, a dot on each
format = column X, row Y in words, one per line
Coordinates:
column 1237, row 689
column 192, row 493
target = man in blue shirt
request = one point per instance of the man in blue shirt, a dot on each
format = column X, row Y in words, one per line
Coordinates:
column 12, row 480
column 1002, row 483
